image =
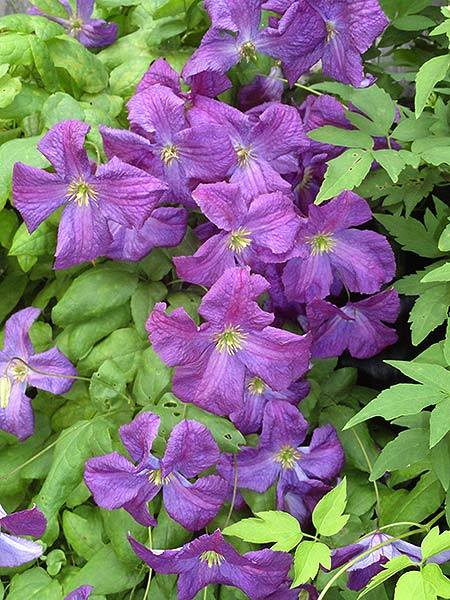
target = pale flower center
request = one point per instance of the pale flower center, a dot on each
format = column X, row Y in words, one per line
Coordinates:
column 213, row 559
column 239, row 240
column 76, row 24
column 230, row 340
column 247, row 52
column 331, row 30
column 169, row 153
column 321, row 243
column 244, row 155
column 287, row 457
column 256, row 386
column 155, row 477
column 19, row 371
column 82, row 192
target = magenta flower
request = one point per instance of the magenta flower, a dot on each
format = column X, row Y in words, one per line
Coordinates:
column 212, row 360
column 20, row 367
column 164, row 228
column 16, row 551
column 331, row 250
column 115, row 482
column 209, row 559
column 303, row 473
column 335, row 32
column 265, row 147
column 81, row 593
column 263, row 230
column 357, row 327
column 92, row 33
column 115, row 192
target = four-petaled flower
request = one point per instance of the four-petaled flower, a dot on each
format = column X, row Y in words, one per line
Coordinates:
column 262, row 230
column 115, row 482
column 16, row 551
column 92, row 33
column 212, row 359
column 115, row 192
column 211, row 560
column 303, row 473
column 21, row 367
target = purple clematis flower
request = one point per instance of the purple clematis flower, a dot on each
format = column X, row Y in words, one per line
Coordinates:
column 357, row 327
column 265, row 148
column 92, row 33
column 257, row 395
column 337, row 32
column 115, row 482
column 262, row 90
column 303, row 592
column 329, row 249
column 115, row 192
column 264, row 230
column 21, row 367
column 14, row 550
column 211, row 560
column 302, row 473
column 235, row 36
column 165, row 228
column 81, row 593
column 212, row 360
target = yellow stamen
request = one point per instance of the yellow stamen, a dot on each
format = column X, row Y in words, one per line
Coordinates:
column 5, row 391
column 230, row 340
column 82, row 192
column 244, row 155
column 287, row 457
column 247, row 52
column 239, row 240
column 214, row 559
column 321, row 243
column 256, row 386
column 169, row 153
column 155, row 476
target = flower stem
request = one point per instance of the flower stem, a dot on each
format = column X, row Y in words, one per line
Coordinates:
column 150, row 570
column 369, row 464
column 233, row 499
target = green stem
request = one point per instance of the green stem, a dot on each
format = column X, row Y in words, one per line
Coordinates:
column 233, row 499
column 205, row 592
column 369, row 464
column 150, row 570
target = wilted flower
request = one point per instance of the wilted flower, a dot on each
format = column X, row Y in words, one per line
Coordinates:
column 115, row 482
column 302, row 473
column 92, row 33
column 81, row 593
column 262, row 230
column 21, row 367
column 330, row 250
column 211, row 560
column 14, row 550
column 357, row 327
column 115, row 192
column 337, row 33
column 212, row 360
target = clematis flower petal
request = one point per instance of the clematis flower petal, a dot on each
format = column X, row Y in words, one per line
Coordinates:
column 16, row 413
column 16, row 551
column 324, row 457
column 63, row 146
column 59, row 372
column 98, row 33
column 160, row 73
column 139, row 435
column 158, row 111
column 257, row 469
column 222, row 203
column 131, row 148
column 24, row 522
column 17, row 339
column 218, row 52
column 81, row 593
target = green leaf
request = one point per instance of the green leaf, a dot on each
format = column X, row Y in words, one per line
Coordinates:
column 142, row 302
column 434, row 543
column 444, row 240
column 440, row 461
column 430, row 310
column 118, row 524
column 411, row 234
column 413, row 585
column 440, row 422
column 123, row 346
column 83, row 530
column 391, row 161
column 345, row 172
column 44, row 64
column 93, row 293
column 268, row 527
column 425, row 373
column 413, row 23
column 440, row 274
column 11, row 289
column 393, row 567
column 342, row 137
column 34, row 584
column 328, row 517
column 152, row 379
column 309, row 556
column 447, row 344
column 408, row 447
column 41, row 242
column 432, row 573
column 398, row 401
column 428, row 76
column 60, row 107
column 9, row 88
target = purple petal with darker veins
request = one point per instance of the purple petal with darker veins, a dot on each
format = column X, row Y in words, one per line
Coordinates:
column 359, row 578
column 259, row 177
column 384, row 306
column 262, row 89
column 16, row 339
column 98, row 34
column 346, row 210
column 53, row 372
column 81, row 593
column 324, row 457
column 24, row 522
column 126, row 194
column 158, row 110
column 307, row 279
column 222, row 203
column 340, row 556
column 235, row 16
column 160, row 73
column 283, row 425
column 113, row 481
column 16, row 551
column 205, row 153
column 83, row 235
column 84, row 9
column 190, row 449
column 209, row 84
column 131, row 148
column 194, row 505
column 301, row 498
column 138, row 509
column 162, row 561
column 218, row 52
column 257, row 469
column 17, row 417
column 63, row 146
column 37, row 194
column 278, row 357
column 331, row 329
column 210, row 261
column 139, row 435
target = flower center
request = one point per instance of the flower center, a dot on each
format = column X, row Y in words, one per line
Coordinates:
column 239, row 240
column 256, row 386
column 169, row 153
column 287, row 457
column 82, row 192
column 155, row 477
column 5, row 391
column 247, row 52
column 19, row 371
column 76, row 25
column 230, row 340
column 213, row 559
column 244, row 155
column 321, row 243
column 307, row 178
column 331, row 30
